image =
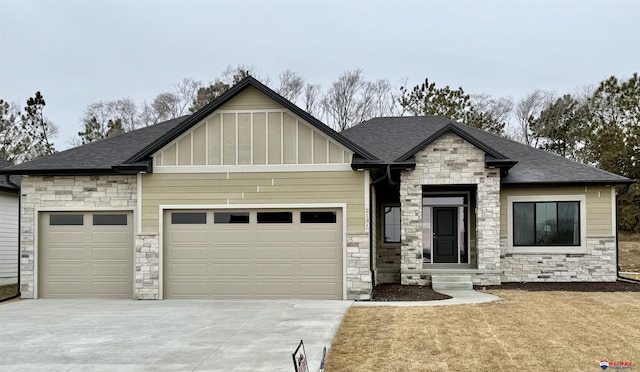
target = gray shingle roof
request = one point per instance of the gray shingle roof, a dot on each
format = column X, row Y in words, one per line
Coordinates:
column 4, row 185
column 98, row 157
column 390, row 138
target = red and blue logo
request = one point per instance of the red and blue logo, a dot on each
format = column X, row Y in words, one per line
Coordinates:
column 604, row 364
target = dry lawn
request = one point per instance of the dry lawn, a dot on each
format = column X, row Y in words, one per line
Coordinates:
column 629, row 254
column 524, row 331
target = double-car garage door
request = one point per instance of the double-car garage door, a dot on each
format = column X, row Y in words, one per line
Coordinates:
column 294, row 253
column 253, row 254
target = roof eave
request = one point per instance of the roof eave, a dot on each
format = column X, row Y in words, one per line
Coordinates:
column 568, row 183
column 59, row 172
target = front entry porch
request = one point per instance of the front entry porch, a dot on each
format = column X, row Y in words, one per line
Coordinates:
column 440, row 219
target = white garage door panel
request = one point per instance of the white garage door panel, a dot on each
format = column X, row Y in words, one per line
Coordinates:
column 276, row 252
column 319, row 252
column 190, row 270
column 64, row 270
column 319, row 236
column 252, row 260
column 63, row 235
column 85, row 260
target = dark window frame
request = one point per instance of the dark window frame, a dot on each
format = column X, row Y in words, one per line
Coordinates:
column 180, row 218
column 535, row 237
column 118, row 219
column 233, row 218
column 64, row 219
column 318, row 217
column 260, row 215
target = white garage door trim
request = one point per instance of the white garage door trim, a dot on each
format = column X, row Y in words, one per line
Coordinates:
column 36, row 234
column 343, row 206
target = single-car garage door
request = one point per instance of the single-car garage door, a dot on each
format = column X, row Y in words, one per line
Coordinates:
column 85, row 254
column 253, row 254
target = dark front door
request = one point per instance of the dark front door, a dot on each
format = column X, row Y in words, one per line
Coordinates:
column 445, row 234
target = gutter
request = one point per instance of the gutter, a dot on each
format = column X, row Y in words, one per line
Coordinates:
column 18, row 293
column 618, row 277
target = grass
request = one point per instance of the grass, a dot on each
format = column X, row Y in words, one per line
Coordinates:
column 534, row 331
column 629, row 252
column 7, row 291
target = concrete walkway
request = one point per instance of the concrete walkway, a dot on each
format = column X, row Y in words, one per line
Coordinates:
column 460, row 296
column 170, row 335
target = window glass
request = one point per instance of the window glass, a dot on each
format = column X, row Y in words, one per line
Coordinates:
column 318, row 217
column 110, row 219
column 275, row 217
column 392, row 224
column 231, row 217
column 523, row 227
column 546, row 223
column 187, row 218
column 66, row 220
column 443, row 200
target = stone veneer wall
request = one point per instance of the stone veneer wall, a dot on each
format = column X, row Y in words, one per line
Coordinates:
column 597, row 265
column 68, row 192
column 147, row 267
column 359, row 286
column 450, row 160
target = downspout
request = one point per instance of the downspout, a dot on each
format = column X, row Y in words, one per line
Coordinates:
column 371, row 188
column 18, row 293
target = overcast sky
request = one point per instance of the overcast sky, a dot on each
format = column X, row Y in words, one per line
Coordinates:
column 80, row 52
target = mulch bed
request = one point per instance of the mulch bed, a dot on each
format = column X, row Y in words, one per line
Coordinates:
column 397, row 292
column 620, row 286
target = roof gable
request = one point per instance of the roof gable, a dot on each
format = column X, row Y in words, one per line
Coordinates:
column 451, row 128
column 225, row 98
column 392, row 139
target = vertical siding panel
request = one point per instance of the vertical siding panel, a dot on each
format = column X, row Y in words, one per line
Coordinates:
column 169, row 155
column 229, row 139
column 304, row 144
column 184, row 150
column 259, row 138
column 319, row 149
column 244, row 139
column 214, row 140
column 275, row 137
column 289, row 139
column 200, row 145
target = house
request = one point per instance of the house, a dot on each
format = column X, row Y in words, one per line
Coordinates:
column 252, row 197
column 9, row 196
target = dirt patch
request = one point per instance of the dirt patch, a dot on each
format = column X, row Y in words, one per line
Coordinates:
column 620, row 286
column 7, row 291
column 629, row 252
column 397, row 292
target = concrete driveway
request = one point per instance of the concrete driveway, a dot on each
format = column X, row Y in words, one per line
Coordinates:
column 169, row 335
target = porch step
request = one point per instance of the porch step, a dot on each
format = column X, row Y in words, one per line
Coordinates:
column 451, row 281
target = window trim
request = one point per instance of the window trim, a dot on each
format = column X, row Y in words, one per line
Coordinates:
column 548, row 249
column 383, row 242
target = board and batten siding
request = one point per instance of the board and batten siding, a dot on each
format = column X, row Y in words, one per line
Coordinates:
column 8, row 235
column 251, row 129
column 253, row 188
column 598, row 204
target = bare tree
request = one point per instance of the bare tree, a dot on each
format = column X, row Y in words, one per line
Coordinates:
column 526, row 111
column 186, row 91
column 291, row 85
column 351, row 99
column 311, row 97
column 497, row 109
